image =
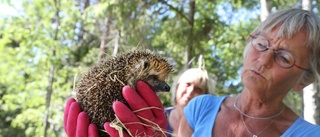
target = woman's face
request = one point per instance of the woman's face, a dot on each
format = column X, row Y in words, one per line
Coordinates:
column 262, row 75
column 186, row 90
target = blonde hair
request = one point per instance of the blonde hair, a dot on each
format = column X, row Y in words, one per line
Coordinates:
column 291, row 22
column 197, row 75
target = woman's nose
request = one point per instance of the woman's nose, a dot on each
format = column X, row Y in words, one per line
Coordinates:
column 266, row 58
column 190, row 90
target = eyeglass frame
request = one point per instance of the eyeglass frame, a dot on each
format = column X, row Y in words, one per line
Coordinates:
column 275, row 52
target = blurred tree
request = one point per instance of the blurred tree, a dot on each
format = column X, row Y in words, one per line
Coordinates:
column 311, row 94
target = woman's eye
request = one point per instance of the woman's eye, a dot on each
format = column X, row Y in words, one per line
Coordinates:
column 283, row 59
column 262, row 46
column 187, row 84
column 198, row 90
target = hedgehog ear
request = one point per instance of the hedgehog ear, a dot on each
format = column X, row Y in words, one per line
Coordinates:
column 146, row 64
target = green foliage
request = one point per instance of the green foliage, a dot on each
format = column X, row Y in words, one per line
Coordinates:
column 293, row 101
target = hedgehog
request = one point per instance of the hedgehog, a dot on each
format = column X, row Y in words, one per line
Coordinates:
column 102, row 84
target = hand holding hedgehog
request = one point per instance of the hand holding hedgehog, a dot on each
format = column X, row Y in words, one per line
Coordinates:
column 149, row 122
column 99, row 92
column 76, row 123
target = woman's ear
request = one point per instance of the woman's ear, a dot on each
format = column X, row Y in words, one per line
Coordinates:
column 306, row 79
column 301, row 86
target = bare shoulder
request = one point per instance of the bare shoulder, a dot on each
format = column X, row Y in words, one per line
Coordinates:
column 285, row 120
column 227, row 121
column 184, row 128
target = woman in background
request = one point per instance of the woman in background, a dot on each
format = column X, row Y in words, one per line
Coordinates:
column 191, row 83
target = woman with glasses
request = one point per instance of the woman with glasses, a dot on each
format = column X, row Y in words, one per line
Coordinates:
column 282, row 54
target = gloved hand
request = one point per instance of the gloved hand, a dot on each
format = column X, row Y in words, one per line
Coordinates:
column 144, row 104
column 77, row 123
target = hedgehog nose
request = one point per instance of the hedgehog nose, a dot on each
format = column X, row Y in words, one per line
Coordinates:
column 166, row 87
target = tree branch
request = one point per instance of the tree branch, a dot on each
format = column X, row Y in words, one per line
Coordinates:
column 180, row 12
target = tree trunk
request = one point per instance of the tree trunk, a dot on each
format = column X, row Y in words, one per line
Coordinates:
column 51, row 73
column 116, row 42
column 311, row 95
column 81, row 33
column 189, row 47
column 48, row 100
column 265, row 9
column 309, row 103
column 306, row 4
column 316, row 97
column 103, row 38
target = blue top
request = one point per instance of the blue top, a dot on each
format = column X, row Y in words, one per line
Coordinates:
column 207, row 106
column 167, row 112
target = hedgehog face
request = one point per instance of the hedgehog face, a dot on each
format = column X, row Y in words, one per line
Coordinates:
column 156, row 84
column 154, row 72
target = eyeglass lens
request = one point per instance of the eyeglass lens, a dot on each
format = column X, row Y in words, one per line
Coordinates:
column 282, row 57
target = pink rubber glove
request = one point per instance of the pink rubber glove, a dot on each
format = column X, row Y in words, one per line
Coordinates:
column 77, row 123
column 146, row 98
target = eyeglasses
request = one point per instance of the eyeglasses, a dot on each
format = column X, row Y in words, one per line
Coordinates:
column 282, row 57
